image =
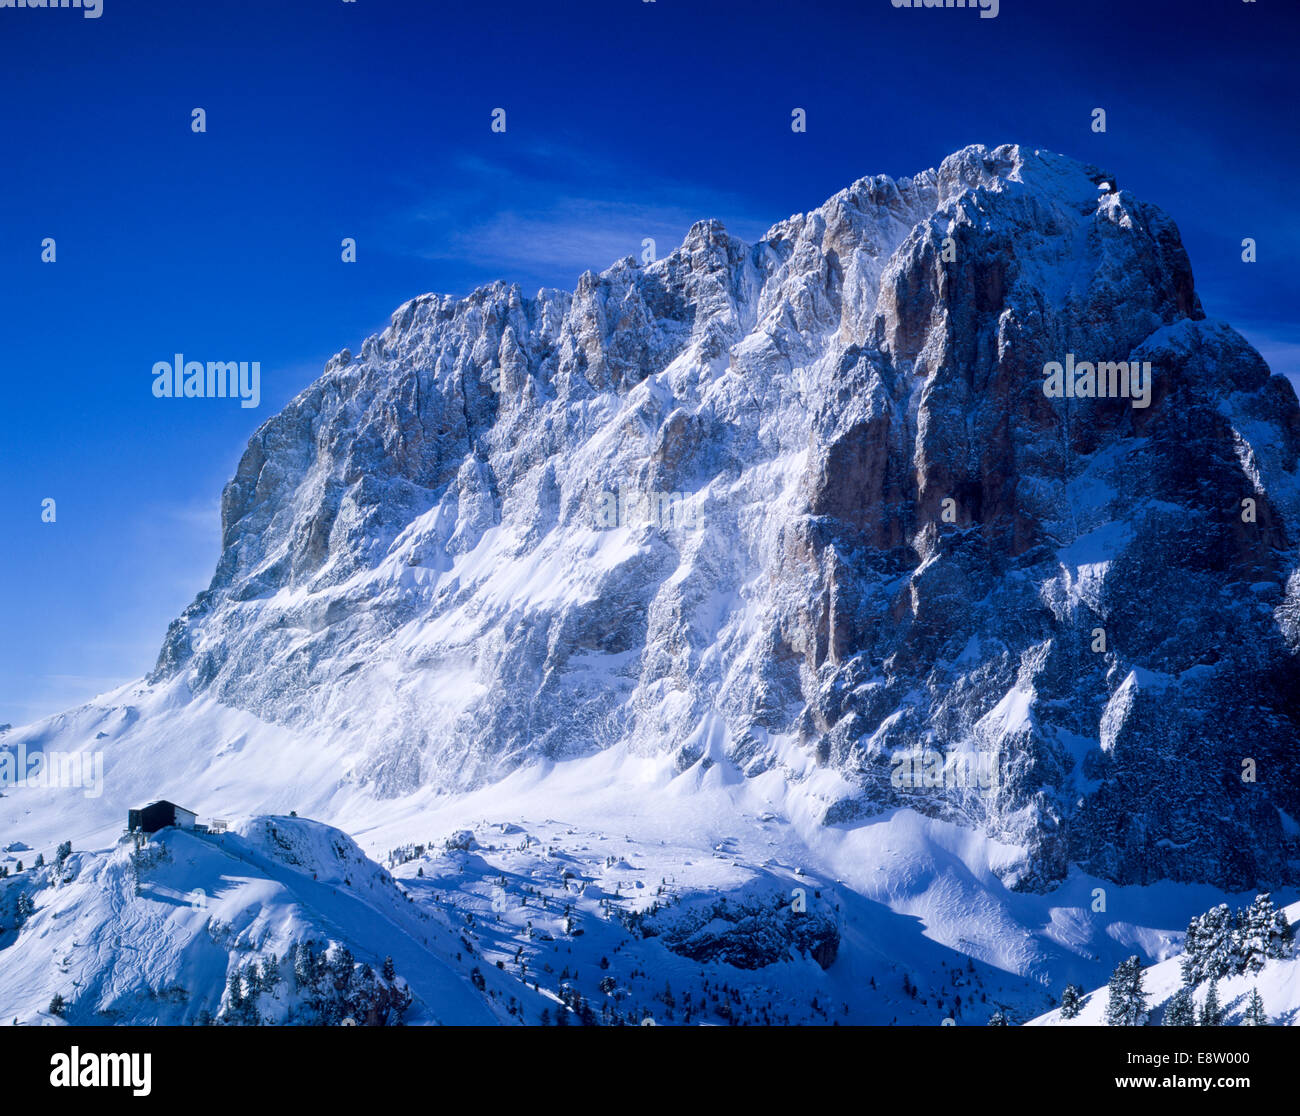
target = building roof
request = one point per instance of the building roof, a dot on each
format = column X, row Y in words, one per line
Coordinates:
column 167, row 802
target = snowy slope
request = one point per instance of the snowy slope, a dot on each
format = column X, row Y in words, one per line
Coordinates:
column 912, row 903
column 151, row 935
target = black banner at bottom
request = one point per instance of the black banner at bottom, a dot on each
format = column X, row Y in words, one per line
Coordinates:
column 296, row 1064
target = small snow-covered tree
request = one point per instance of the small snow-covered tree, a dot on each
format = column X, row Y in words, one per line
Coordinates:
column 1213, row 946
column 269, row 976
column 1223, row 942
column 1193, row 952
column 1181, row 1011
column 304, row 966
column 1071, row 1001
column 1211, row 1012
column 1127, row 1006
column 1255, row 1016
column 1255, row 926
column 1281, row 937
column 998, row 1019
column 341, row 965
column 242, row 987
column 234, row 989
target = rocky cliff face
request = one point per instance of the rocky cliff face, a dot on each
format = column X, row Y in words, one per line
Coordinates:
column 804, row 507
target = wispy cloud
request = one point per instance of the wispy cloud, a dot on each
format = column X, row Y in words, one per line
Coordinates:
column 545, row 214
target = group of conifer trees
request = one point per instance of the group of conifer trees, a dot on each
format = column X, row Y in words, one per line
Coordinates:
column 1220, row 943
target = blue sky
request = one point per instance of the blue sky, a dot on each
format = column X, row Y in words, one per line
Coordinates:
column 371, row 120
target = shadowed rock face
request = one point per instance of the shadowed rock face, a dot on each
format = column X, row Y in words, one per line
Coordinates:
column 895, row 538
column 749, row 934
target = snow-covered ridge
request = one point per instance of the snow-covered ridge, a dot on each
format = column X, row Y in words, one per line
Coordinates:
column 191, row 928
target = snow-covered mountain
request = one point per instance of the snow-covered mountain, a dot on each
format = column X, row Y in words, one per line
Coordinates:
column 792, row 531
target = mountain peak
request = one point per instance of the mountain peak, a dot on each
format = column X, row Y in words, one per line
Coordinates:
column 802, row 507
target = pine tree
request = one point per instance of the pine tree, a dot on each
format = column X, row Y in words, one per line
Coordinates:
column 1115, row 1007
column 1193, row 963
column 40, row 860
column 405, row 998
column 342, row 963
column 1211, row 1013
column 304, row 966
column 1255, row 1016
column 1181, row 1011
column 389, row 970
column 244, row 1011
column 1071, row 1001
column 1127, row 1006
column 57, row 1004
column 1228, row 948
column 1256, row 930
column 1220, row 943
column 1281, row 937
column 235, row 989
column 269, row 977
